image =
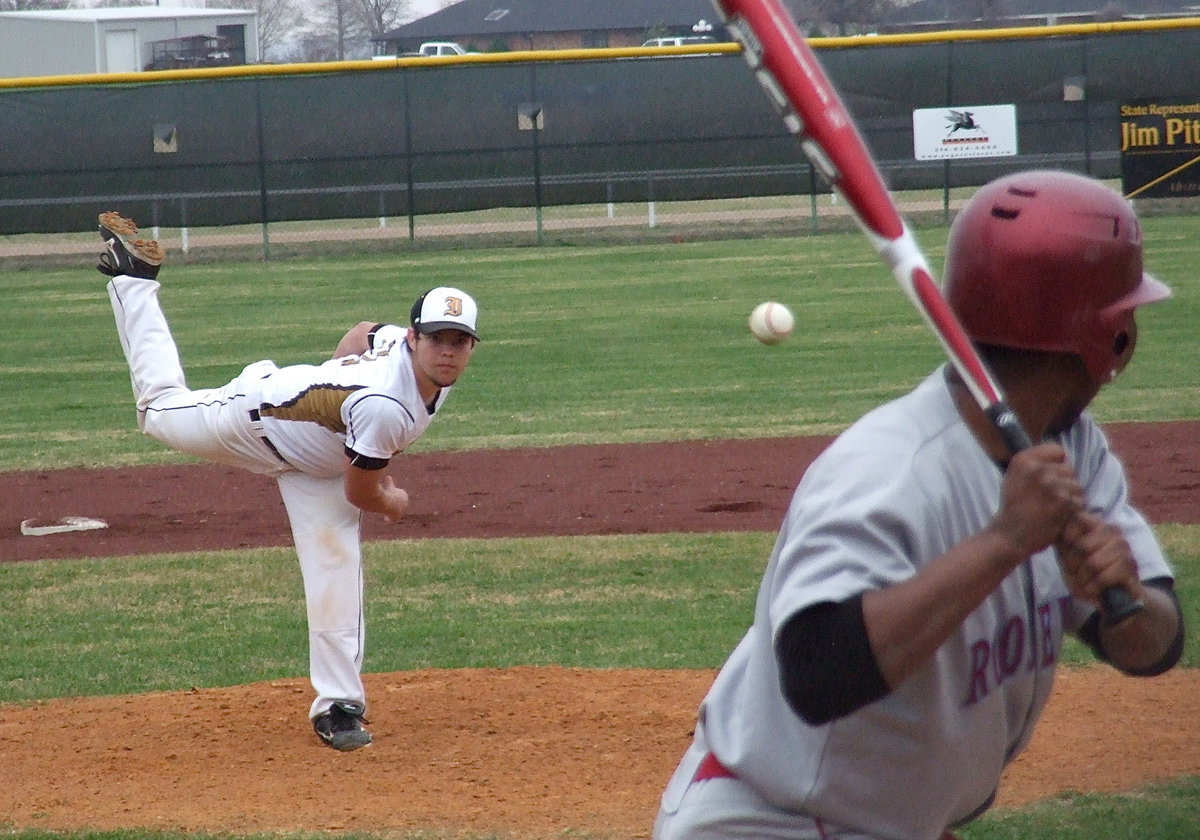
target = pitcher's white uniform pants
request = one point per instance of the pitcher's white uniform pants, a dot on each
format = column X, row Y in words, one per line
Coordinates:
column 214, row 424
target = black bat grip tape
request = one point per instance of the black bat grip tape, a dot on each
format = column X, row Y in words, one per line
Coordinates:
column 1115, row 603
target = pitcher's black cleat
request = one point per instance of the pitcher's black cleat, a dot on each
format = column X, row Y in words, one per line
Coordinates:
column 125, row 253
column 342, row 726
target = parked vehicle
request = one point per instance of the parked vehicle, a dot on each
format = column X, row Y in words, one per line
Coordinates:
column 436, row 48
column 429, row 49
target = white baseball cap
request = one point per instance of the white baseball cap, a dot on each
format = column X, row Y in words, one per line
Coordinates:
column 445, row 308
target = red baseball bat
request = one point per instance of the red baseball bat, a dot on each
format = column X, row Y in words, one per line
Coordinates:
column 812, row 110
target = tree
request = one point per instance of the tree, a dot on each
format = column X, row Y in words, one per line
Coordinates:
column 32, row 5
column 311, row 46
column 380, row 16
column 338, row 26
column 342, row 29
column 842, row 17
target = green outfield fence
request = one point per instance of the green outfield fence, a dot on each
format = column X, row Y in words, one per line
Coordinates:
column 404, row 139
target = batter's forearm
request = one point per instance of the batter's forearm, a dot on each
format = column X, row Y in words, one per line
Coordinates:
column 908, row 622
column 1151, row 641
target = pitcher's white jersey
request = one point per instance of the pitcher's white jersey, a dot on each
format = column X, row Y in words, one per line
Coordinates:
column 368, row 403
column 929, row 754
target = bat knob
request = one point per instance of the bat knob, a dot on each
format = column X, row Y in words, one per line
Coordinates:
column 1117, row 605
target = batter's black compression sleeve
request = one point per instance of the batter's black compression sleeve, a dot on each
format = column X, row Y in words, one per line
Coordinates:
column 826, row 666
column 1089, row 634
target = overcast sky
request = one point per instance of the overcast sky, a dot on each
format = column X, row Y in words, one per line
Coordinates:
column 421, row 8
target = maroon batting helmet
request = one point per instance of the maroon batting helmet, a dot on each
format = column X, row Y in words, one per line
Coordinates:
column 1048, row 260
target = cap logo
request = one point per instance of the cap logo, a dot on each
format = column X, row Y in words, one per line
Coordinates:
column 454, row 307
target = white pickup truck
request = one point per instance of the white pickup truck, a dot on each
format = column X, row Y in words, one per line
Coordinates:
column 429, row 49
column 435, row 48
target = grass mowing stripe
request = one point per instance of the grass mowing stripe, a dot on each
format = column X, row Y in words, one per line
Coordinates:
column 591, row 344
column 1165, row 812
column 166, row 622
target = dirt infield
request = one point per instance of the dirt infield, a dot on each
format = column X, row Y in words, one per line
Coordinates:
column 694, row 486
column 530, row 752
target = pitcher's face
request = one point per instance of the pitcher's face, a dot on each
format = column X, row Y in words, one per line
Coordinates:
column 442, row 356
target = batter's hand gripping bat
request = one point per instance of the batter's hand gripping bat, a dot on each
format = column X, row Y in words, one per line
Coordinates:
column 813, row 111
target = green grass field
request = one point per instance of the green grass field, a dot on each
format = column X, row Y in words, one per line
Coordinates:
column 582, row 345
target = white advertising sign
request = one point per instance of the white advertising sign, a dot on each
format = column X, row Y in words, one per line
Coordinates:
column 965, row 132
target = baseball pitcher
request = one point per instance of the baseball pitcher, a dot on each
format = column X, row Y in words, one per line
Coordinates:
column 325, row 432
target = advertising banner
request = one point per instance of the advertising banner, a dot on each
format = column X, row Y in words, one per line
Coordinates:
column 1160, row 148
column 973, row 131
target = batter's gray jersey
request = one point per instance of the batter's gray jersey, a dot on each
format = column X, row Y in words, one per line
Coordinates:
column 898, row 489
column 369, row 403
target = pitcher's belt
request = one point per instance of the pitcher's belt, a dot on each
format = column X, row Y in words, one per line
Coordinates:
column 257, row 427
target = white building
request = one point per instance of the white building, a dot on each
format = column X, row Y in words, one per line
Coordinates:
column 122, row 40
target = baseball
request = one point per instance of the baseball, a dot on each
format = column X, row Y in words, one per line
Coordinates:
column 771, row 322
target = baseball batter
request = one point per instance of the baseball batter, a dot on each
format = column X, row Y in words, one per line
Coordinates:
column 912, row 614
column 325, row 432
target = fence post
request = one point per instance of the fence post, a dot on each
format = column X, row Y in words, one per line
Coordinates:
column 949, row 102
column 1087, row 112
column 408, row 157
column 537, row 173
column 812, row 196
column 183, row 225
column 262, row 171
